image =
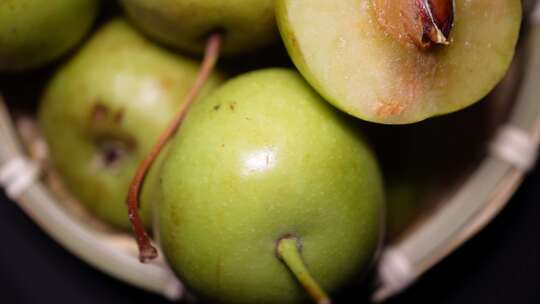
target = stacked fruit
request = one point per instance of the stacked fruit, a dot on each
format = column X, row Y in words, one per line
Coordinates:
column 263, row 191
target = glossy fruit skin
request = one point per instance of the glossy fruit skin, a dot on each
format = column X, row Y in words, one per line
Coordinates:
column 261, row 158
column 345, row 55
column 35, row 32
column 119, row 91
column 184, row 24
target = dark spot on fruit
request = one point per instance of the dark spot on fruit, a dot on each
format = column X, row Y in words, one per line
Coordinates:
column 389, row 109
column 294, row 42
column 113, row 150
column 111, row 155
column 167, row 83
column 99, row 112
column 119, row 116
column 216, row 107
column 232, row 106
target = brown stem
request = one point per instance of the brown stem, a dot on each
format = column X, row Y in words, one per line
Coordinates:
column 146, row 250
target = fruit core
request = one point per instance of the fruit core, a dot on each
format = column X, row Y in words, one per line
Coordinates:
column 420, row 22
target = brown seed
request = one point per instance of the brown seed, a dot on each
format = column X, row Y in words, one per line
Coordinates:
column 420, row 22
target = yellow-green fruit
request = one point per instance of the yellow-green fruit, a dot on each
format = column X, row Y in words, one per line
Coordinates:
column 34, row 32
column 261, row 158
column 185, row 24
column 104, row 110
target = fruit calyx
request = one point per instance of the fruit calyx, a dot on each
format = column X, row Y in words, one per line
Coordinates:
column 420, row 22
column 288, row 249
column 147, row 251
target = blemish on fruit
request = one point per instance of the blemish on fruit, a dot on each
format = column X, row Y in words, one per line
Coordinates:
column 111, row 156
column 216, row 107
column 113, row 149
column 119, row 116
column 415, row 75
column 167, row 83
column 232, row 106
column 294, row 42
column 389, row 109
column 99, row 112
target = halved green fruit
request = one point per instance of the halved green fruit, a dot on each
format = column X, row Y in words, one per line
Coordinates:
column 345, row 54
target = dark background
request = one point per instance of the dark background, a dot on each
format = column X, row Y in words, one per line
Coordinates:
column 500, row 265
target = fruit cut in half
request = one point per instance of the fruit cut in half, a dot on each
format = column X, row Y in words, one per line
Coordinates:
column 351, row 53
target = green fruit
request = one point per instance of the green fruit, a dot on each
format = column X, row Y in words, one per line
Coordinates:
column 263, row 158
column 104, row 110
column 35, row 32
column 404, row 200
column 185, row 24
column 346, row 55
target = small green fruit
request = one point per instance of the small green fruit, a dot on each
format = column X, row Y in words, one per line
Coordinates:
column 34, row 32
column 261, row 159
column 185, row 24
column 104, row 111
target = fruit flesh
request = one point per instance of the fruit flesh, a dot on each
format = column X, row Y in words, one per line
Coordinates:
column 35, row 32
column 185, row 24
column 261, row 158
column 344, row 53
column 103, row 111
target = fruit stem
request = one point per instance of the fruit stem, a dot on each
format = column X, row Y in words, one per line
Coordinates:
column 146, row 250
column 288, row 251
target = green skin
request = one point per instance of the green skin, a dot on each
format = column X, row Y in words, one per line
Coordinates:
column 184, row 24
column 262, row 158
column 117, row 94
column 344, row 53
column 404, row 198
column 35, row 32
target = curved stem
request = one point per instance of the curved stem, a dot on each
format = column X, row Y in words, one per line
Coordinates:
column 146, row 250
column 289, row 251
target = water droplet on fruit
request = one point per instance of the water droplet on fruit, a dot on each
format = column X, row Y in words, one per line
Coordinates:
column 259, row 161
